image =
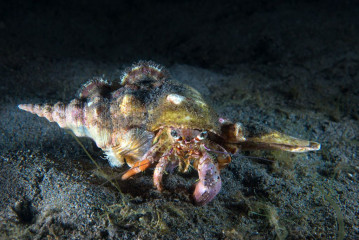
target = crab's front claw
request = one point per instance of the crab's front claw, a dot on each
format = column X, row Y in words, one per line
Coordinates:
column 254, row 136
column 209, row 183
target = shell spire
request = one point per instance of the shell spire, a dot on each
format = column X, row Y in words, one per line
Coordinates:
column 66, row 116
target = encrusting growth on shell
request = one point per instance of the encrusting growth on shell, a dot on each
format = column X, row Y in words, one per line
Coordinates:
column 149, row 119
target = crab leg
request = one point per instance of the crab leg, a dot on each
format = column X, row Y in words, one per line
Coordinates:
column 209, row 183
column 158, row 173
column 223, row 157
column 137, row 168
column 147, row 160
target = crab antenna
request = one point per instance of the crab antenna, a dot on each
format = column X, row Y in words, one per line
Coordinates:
column 169, row 153
column 210, row 150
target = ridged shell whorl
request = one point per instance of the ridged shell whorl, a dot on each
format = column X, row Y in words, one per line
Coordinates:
column 144, row 70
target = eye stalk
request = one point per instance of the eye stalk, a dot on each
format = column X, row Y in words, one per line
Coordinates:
column 175, row 135
column 202, row 135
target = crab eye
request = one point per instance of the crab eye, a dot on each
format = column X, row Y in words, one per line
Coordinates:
column 202, row 135
column 174, row 134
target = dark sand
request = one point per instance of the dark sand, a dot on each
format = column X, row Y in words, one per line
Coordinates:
column 291, row 65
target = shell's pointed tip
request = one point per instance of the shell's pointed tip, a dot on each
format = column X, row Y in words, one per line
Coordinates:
column 23, row 106
column 27, row 107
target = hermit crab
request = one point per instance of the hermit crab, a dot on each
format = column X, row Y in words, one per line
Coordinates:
column 148, row 119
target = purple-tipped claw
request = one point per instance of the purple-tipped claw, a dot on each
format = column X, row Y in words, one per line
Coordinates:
column 209, row 183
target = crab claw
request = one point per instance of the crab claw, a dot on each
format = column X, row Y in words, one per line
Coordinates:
column 209, row 183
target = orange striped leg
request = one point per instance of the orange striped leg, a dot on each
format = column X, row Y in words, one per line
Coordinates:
column 140, row 166
column 137, row 168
